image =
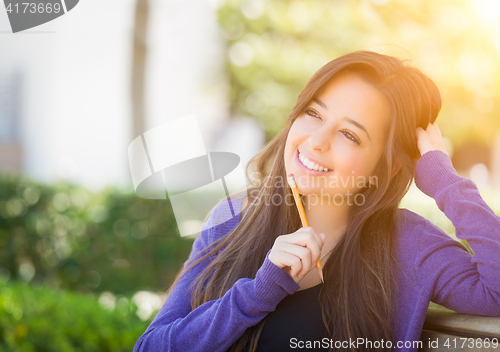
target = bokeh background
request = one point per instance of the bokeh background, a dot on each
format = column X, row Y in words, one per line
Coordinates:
column 84, row 262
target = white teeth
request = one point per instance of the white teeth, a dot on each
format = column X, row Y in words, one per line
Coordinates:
column 310, row 165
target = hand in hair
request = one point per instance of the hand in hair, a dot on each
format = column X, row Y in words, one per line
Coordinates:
column 298, row 252
column 430, row 139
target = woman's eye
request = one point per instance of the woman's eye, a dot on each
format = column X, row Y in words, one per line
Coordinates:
column 312, row 113
column 350, row 136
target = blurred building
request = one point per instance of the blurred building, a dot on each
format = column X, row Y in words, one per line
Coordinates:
column 65, row 108
column 11, row 152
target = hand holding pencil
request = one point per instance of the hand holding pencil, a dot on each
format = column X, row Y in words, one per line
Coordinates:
column 298, row 253
column 302, row 214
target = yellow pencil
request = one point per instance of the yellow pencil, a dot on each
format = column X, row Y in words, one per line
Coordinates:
column 302, row 214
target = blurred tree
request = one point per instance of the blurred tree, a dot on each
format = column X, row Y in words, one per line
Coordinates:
column 274, row 47
column 139, row 67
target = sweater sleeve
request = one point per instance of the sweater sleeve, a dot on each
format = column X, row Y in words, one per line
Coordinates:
column 453, row 276
column 217, row 324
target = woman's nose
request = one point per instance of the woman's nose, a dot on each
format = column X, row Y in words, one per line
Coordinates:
column 320, row 139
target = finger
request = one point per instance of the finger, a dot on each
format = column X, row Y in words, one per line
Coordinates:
column 434, row 132
column 307, row 257
column 314, row 255
column 309, row 238
column 438, row 130
column 284, row 255
column 289, row 262
column 295, row 264
column 437, row 139
column 423, row 142
column 303, row 253
column 420, row 132
column 323, row 238
column 303, row 235
column 315, row 236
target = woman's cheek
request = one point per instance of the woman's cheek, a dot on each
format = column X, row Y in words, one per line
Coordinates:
column 342, row 145
column 351, row 165
column 302, row 128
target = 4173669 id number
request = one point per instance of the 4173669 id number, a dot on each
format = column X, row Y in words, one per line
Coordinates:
column 465, row 342
column 31, row 7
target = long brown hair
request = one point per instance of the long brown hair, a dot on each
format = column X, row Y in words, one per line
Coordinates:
column 360, row 282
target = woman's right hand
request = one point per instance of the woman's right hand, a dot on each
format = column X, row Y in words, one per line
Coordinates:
column 297, row 252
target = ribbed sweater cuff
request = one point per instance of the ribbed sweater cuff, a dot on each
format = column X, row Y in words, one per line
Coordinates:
column 273, row 283
column 434, row 171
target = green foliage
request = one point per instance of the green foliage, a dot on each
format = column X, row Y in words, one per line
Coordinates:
column 74, row 239
column 43, row 319
column 275, row 46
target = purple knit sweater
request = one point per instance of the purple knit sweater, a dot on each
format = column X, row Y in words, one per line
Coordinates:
column 433, row 267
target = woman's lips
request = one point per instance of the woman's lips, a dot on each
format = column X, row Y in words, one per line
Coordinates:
column 306, row 170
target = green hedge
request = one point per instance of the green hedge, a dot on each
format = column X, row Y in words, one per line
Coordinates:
column 69, row 237
column 46, row 319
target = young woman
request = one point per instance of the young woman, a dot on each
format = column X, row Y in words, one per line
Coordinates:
column 361, row 130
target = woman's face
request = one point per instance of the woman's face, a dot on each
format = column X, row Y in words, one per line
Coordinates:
column 342, row 129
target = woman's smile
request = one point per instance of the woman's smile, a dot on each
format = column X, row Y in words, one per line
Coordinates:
column 306, row 170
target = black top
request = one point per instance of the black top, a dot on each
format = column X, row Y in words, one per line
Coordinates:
column 297, row 319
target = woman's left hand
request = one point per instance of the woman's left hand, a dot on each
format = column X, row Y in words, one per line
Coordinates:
column 430, row 139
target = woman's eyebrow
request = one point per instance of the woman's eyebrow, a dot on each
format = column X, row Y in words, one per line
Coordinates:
column 320, row 103
column 357, row 124
column 348, row 119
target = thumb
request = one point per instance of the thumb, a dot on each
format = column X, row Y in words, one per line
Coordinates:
column 323, row 237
